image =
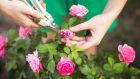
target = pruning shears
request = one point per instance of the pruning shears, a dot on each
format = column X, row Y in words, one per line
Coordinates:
column 48, row 20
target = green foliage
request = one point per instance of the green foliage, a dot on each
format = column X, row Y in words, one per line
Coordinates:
column 67, row 50
column 42, row 48
column 72, row 21
column 104, row 65
column 12, row 35
column 51, row 66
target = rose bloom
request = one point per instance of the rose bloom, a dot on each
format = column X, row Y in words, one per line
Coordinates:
column 24, row 32
column 3, row 41
column 127, row 53
column 65, row 66
column 66, row 34
column 34, row 62
column 2, row 52
column 78, row 10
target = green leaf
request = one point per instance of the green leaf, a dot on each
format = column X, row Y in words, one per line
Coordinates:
column 63, row 54
column 107, row 67
column 10, row 65
column 66, row 77
column 85, row 69
column 12, row 35
column 134, row 71
column 133, row 77
column 79, row 49
column 65, row 25
column 70, row 56
column 67, row 50
column 75, row 55
column 52, row 46
column 78, row 61
column 54, row 52
column 102, row 77
column 73, row 48
column 42, row 48
column 118, row 68
column 111, row 61
column 94, row 71
column 72, row 21
column 51, row 66
column 24, row 44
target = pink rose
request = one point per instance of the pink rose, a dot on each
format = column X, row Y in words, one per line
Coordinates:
column 2, row 52
column 34, row 62
column 78, row 10
column 127, row 53
column 24, row 32
column 66, row 34
column 65, row 66
column 3, row 41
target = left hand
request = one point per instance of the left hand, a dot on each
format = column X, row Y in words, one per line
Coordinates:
column 97, row 26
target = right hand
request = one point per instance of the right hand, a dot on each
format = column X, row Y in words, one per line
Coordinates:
column 20, row 13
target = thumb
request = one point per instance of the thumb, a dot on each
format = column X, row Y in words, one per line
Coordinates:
column 80, row 27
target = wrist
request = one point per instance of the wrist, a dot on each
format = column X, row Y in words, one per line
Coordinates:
column 109, row 16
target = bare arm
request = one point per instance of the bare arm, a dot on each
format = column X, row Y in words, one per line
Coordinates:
column 113, row 8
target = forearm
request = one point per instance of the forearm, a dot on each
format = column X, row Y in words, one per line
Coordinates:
column 113, row 8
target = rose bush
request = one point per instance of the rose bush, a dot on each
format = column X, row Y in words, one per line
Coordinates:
column 53, row 60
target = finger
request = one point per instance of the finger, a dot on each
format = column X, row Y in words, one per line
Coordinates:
column 71, row 42
column 80, row 27
column 89, row 44
column 30, row 11
column 43, row 5
column 25, row 21
column 69, row 45
column 76, row 38
column 63, row 40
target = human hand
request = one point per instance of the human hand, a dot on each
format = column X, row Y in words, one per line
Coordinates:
column 20, row 13
column 97, row 26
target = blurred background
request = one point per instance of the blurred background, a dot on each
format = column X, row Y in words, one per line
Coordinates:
column 128, row 31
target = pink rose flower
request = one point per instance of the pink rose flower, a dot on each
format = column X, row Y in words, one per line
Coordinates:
column 2, row 53
column 65, row 66
column 127, row 53
column 24, row 32
column 34, row 62
column 3, row 41
column 66, row 34
column 78, row 10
